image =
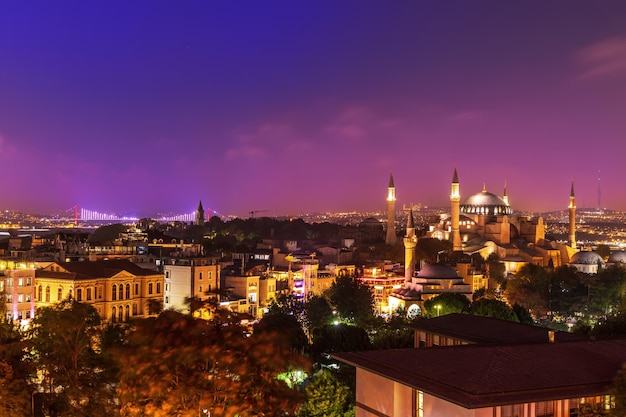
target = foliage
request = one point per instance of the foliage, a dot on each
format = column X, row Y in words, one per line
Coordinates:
column 287, row 304
column 318, row 313
column 338, row 338
column 66, row 341
column 392, row 333
column 286, row 324
column 325, row 396
column 604, row 251
column 429, row 249
column 495, row 271
column 618, row 391
column 523, row 315
column 489, row 307
column 446, row 303
column 15, row 372
column 175, row 364
column 106, row 235
column 353, row 301
column 612, row 325
column 529, row 288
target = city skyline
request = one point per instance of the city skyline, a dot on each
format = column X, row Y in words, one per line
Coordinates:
column 288, row 108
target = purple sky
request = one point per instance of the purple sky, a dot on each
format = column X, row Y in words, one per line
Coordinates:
column 302, row 106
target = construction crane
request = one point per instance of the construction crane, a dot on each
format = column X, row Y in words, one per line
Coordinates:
column 253, row 212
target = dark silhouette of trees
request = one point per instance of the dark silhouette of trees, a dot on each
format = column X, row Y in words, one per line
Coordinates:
column 16, row 371
column 352, row 300
column 446, row 303
column 106, row 235
column 325, row 396
column 489, row 307
column 66, row 345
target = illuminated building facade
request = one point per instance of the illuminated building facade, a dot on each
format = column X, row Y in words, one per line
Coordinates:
column 189, row 277
column 117, row 289
column 17, row 283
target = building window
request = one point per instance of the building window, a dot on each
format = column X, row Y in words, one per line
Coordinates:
column 88, row 293
column 136, row 289
column 121, row 292
column 28, row 298
column 114, row 292
column 209, row 275
column 20, row 282
column 100, row 293
column 20, row 298
column 79, row 294
column 150, row 288
column 40, row 293
column 29, row 281
column 128, row 291
column 120, row 313
column 134, row 309
column 200, row 277
column 158, row 288
column 419, row 404
column 27, row 314
column 9, row 298
column 59, row 293
column 113, row 314
column 167, row 274
column 47, row 294
column 167, row 299
column 200, row 289
column 127, row 312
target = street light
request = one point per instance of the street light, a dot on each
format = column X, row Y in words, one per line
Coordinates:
column 438, row 307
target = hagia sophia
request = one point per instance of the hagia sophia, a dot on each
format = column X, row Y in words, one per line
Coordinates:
column 484, row 223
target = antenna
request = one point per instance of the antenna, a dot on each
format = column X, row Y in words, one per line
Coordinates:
column 599, row 193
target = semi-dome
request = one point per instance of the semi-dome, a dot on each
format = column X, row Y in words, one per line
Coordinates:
column 586, row 258
column 618, row 257
column 485, row 203
column 437, row 271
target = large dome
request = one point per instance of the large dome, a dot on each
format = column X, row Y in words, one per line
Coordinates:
column 437, row 271
column 485, row 203
column 618, row 257
column 586, row 258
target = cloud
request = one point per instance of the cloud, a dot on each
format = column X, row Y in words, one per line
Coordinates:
column 604, row 58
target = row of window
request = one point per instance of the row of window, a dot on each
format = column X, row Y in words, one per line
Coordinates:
column 21, row 281
column 21, row 298
column 118, row 292
column 21, row 314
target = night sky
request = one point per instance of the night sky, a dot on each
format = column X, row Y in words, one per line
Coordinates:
column 140, row 107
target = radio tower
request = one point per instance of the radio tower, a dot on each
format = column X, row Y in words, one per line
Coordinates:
column 75, row 215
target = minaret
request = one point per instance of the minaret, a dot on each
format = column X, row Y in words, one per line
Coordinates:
column 391, row 212
column 572, row 218
column 199, row 214
column 505, row 196
column 410, row 241
column 455, row 212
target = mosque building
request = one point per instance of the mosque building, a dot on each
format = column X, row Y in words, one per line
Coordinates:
column 483, row 223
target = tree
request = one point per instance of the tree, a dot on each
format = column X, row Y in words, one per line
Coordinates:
column 429, row 249
column 529, row 288
column 175, row 364
column 495, row 271
column 288, row 325
column 325, row 396
column 618, row 391
column 106, row 235
column 66, row 345
column 15, row 371
column 338, row 338
column 489, row 307
column 446, row 303
column 352, row 300
column 318, row 313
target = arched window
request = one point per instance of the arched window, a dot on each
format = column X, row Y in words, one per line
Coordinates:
column 47, row 294
column 40, row 293
column 114, row 292
column 150, row 288
column 158, row 288
column 120, row 313
column 121, row 291
column 79, row 294
column 59, row 293
column 127, row 312
column 128, row 291
column 113, row 315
